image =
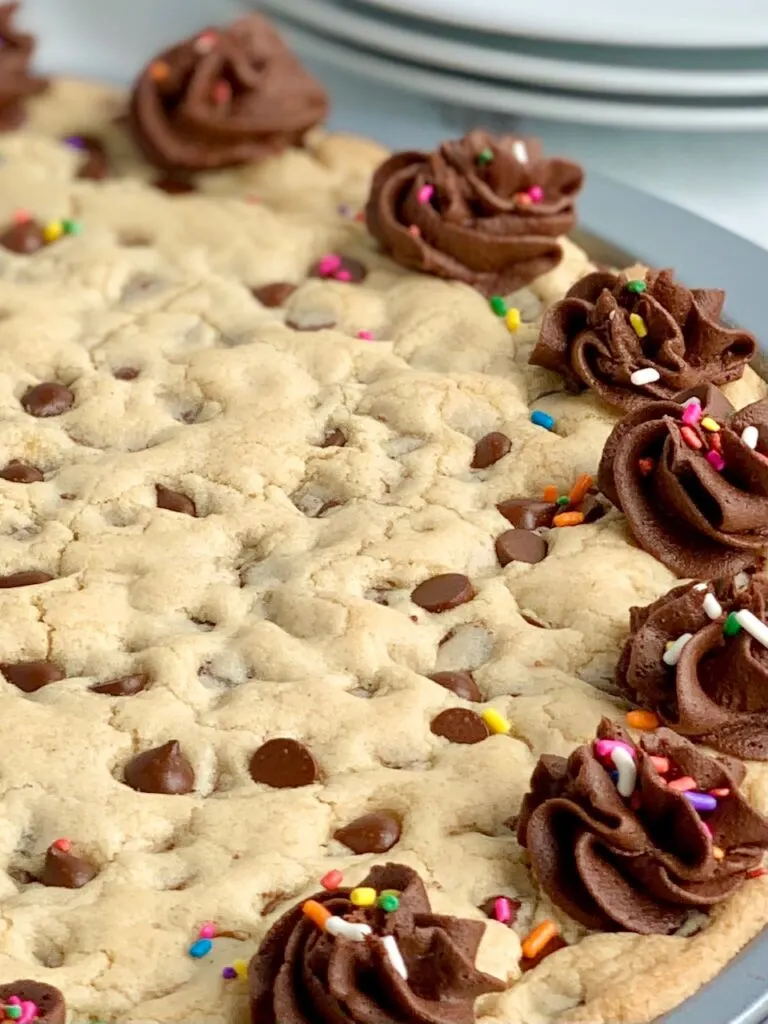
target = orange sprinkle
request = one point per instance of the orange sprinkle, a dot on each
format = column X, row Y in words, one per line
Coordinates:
column 683, row 785
column 646, row 721
column 536, row 940
column 568, row 519
column 721, row 793
column 717, row 853
column 316, row 912
column 645, row 466
column 159, row 71
column 579, row 490
column 550, row 493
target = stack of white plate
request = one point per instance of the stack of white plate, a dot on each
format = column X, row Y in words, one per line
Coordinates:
column 657, row 64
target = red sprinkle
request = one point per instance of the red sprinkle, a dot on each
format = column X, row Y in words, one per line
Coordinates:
column 683, row 785
column 332, row 880
column 22, row 217
column 719, row 792
column 757, row 872
column 65, row 845
column 691, row 438
column 646, row 466
column 222, row 91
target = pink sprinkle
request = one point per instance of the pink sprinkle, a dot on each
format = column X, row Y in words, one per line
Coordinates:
column 329, row 264
column 425, row 193
column 22, row 217
column 603, row 748
column 365, row 335
column 14, row 1001
column 536, row 192
column 716, row 460
column 502, row 909
column 692, row 414
column 29, row 1011
column 343, row 275
column 208, row 930
column 683, row 785
column 414, row 230
column 661, row 764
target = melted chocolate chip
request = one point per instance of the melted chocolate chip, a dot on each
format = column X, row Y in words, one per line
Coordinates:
column 21, row 473
column 355, row 270
column 95, row 166
column 490, row 449
column 283, row 764
column 273, row 295
column 372, row 833
column 326, row 507
column 174, row 186
column 520, row 546
column 51, row 1008
column 63, row 870
column 125, row 686
column 162, row 769
column 489, row 908
column 311, row 321
column 590, row 508
column 30, row 676
column 30, row 578
column 441, row 593
column 460, row 725
column 555, row 943
column 126, row 373
column 528, row 513
column 48, row 399
column 173, row 501
column 461, row 683
column 334, row 439
column 24, row 238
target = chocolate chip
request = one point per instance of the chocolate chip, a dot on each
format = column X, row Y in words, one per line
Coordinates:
column 335, row 439
column 48, row 399
column 30, row 676
column 326, row 507
column 527, row 513
column 125, row 686
column 51, row 1008
column 489, row 908
column 174, row 501
column 126, row 373
column 490, row 449
column 63, row 870
column 174, row 186
column 162, row 769
column 30, row 578
column 21, row 473
column 441, row 593
column 461, row 683
column 24, row 238
column 372, row 833
column 273, row 295
column 311, row 321
column 95, row 166
column 283, row 764
column 520, row 546
column 356, row 270
column 460, row 725
column 555, row 943
column 590, row 508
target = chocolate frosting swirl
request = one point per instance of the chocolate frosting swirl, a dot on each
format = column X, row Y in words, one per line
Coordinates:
column 638, row 864
column 17, row 84
column 698, row 520
column 589, row 339
column 225, row 97
column 478, row 224
column 718, row 690
column 302, row 975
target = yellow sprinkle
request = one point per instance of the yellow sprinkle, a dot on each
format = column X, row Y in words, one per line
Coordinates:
column 669, row 645
column 495, row 721
column 241, row 966
column 638, row 325
column 513, row 319
column 363, row 897
column 53, row 230
column 709, row 424
column 717, row 853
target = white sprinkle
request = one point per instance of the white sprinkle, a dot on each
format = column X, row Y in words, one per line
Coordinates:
column 520, row 151
column 672, row 655
column 627, row 769
column 342, row 929
column 699, row 586
column 741, row 581
column 645, row 376
column 691, row 401
column 712, row 606
column 396, row 957
column 753, row 626
column 749, row 436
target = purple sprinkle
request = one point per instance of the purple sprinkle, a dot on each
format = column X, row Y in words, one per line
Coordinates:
column 229, row 973
column 701, row 801
column 75, row 141
column 344, row 211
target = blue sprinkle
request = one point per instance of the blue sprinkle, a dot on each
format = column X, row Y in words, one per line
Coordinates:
column 542, row 419
column 614, row 777
column 200, row 948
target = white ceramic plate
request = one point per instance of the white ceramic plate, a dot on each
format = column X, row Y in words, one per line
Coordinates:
column 517, row 60
column 494, row 96
column 680, row 23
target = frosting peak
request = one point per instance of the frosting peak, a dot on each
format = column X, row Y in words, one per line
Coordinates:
column 486, row 210
column 224, row 97
column 17, row 84
column 303, row 974
column 692, row 481
column 639, row 862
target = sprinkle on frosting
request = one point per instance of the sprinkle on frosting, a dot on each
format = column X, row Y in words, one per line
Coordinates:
column 480, row 224
column 641, row 862
column 635, row 344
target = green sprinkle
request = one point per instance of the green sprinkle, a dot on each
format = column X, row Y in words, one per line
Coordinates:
column 11, row 1011
column 72, row 227
column 388, row 901
column 563, row 500
column 485, row 156
column 636, row 286
column 731, row 625
column 498, row 305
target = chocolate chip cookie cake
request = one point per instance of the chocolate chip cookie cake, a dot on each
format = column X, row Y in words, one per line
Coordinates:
column 383, row 630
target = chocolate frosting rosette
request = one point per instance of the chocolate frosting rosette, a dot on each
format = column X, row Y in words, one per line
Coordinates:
column 640, row 340
column 626, row 837
column 691, row 477
column 332, row 960
column 691, row 661
column 17, row 84
column 486, row 210
column 225, row 97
